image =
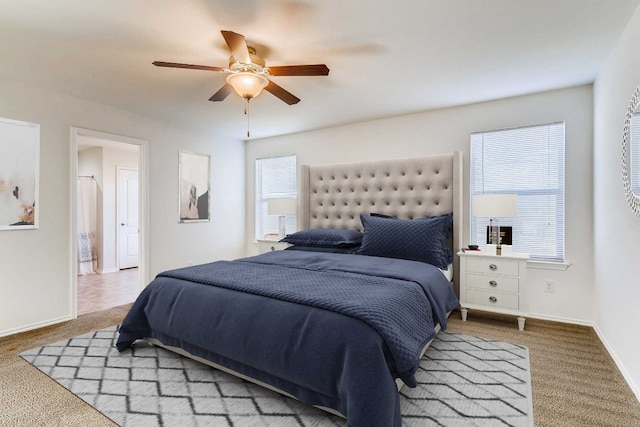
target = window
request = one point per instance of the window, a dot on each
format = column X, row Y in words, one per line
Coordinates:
column 275, row 179
column 529, row 162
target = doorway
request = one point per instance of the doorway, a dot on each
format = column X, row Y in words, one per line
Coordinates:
column 117, row 165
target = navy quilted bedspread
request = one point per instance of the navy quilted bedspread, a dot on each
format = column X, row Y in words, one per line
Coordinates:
column 331, row 329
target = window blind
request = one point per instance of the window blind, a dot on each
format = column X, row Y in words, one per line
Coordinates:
column 276, row 178
column 529, row 162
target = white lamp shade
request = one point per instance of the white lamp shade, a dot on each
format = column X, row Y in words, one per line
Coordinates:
column 495, row 205
column 282, row 206
column 246, row 84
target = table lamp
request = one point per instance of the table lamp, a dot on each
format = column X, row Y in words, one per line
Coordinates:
column 282, row 207
column 495, row 206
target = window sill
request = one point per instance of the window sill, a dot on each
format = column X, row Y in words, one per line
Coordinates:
column 548, row 265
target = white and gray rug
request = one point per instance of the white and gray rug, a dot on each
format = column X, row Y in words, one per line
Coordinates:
column 462, row 381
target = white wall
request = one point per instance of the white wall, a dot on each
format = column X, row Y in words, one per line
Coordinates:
column 617, row 229
column 35, row 265
column 446, row 130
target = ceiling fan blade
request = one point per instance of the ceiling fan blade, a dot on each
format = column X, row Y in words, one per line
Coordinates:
column 221, row 94
column 300, row 70
column 188, row 66
column 238, row 46
column 281, row 93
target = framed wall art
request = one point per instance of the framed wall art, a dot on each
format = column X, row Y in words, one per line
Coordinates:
column 506, row 235
column 19, row 174
column 194, row 174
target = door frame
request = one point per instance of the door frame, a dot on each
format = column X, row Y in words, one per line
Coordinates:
column 118, row 169
column 143, row 205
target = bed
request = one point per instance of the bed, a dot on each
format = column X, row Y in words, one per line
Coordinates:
column 341, row 331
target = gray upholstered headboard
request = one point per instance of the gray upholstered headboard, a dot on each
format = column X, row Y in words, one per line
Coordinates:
column 333, row 196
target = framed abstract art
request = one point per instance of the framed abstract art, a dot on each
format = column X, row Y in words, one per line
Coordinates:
column 194, row 175
column 19, row 174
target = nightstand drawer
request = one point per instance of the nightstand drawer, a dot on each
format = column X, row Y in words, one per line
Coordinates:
column 271, row 245
column 492, row 299
column 493, row 266
column 492, row 283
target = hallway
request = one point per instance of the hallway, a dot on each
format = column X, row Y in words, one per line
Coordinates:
column 101, row 291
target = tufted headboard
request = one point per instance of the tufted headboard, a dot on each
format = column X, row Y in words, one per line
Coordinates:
column 333, row 196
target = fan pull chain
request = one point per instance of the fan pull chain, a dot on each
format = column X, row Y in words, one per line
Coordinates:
column 246, row 111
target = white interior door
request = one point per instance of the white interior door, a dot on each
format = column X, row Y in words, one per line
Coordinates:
column 128, row 231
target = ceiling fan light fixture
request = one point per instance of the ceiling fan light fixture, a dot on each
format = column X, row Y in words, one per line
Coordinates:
column 247, row 84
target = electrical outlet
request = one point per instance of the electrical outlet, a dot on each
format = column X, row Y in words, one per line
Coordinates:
column 550, row 286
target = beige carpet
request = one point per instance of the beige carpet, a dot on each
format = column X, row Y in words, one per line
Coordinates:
column 575, row 382
column 30, row 398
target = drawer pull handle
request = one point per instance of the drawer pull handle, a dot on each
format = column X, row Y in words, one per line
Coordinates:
column 493, row 267
column 493, row 283
column 493, row 299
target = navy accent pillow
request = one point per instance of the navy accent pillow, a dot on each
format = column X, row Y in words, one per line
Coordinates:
column 423, row 239
column 327, row 237
column 339, row 250
column 449, row 232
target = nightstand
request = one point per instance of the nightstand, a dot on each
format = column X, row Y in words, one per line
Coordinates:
column 494, row 283
column 265, row 245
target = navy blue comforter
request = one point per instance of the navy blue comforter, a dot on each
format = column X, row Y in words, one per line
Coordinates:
column 333, row 330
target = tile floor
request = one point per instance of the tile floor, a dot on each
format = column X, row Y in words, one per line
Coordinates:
column 101, row 291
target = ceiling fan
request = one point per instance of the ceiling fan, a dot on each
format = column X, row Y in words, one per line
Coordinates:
column 248, row 74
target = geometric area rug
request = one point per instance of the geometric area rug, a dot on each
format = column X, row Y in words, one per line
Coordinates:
column 462, row 381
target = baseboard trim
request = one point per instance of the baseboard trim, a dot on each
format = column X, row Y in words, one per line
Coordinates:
column 108, row 270
column 559, row 319
column 34, row 326
column 625, row 373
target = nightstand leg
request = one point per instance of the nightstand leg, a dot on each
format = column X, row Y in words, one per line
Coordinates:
column 521, row 321
column 463, row 314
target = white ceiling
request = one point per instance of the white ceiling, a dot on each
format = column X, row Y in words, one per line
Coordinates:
column 386, row 57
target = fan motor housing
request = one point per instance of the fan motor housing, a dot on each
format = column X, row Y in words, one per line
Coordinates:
column 255, row 60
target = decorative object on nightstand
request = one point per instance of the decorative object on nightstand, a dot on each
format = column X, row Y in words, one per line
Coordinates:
column 494, row 283
column 282, row 207
column 495, row 206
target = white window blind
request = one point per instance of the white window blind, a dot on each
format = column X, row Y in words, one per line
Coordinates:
column 529, row 162
column 275, row 179
column 634, row 151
